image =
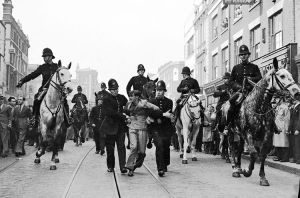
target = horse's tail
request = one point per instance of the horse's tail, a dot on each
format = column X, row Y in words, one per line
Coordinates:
column 52, row 123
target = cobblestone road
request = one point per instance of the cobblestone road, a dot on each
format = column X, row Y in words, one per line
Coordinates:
column 208, row 177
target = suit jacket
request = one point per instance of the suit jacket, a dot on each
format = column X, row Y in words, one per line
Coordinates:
column 294, row 121
column 5, row 114
column 114, row 120
column 22, row 116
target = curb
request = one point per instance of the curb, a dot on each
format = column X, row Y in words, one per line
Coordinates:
column 278, row 165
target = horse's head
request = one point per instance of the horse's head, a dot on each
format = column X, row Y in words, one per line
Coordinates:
column 149, row 89
column 63, row 76
column 194, row 107
column 281, row 79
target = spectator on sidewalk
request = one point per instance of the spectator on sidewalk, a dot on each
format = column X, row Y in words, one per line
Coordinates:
column 13, row 137
column 294, row 130
column 5, row 124
column 23, row 115
column 207, row 132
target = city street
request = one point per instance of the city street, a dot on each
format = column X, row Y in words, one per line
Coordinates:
column 82, row 173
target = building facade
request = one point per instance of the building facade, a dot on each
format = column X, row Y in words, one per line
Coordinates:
column 33, row 85
column 170, row 73
column 2, row 60
column 16, row 52
column 268, row 28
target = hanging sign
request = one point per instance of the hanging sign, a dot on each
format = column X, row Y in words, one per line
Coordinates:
column 238, row 2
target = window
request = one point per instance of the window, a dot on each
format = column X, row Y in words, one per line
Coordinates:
column 190, row 47
column 216, row 69
column 237, row 12
column 225, row 58
column 255, row 42
column 237, row 44
column 215, row 27
column 276, row 31
column 224, row 20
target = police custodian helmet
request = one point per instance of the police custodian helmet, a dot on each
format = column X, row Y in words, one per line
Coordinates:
column 161, row 85
column 79, row 88
column 244, row 50
column 140, row 67
column 186, row 70
column 112, row 84
column 48, row 52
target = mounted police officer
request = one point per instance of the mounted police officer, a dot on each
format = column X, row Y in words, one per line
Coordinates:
column 239, row 77
column 162, row 129
column 80, row 97
column 137, row 82
column 46, row 70
column 187, row 85
column 114, row 126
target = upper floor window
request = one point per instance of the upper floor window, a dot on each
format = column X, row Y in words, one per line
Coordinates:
column 224, row 20
column 255, row 42
column 214, row 26
column 190, row 47
column 225, row 59
column 276, row 31
column 215, row 67
column 237, row 44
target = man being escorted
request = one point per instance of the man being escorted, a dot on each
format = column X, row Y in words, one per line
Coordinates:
column 162, row 129
column 137, row 82
column 239, row 77
column 23, row 114
column 114, row 126
column 5, row 124
column 96, row 119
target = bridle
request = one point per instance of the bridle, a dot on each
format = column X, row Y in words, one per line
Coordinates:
column 60, row 87
column 188, row 109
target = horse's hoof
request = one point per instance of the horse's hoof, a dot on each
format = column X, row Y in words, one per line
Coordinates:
column 264, row 182
column 76, row 144
column 239, row 170
column 56, row 160
column 52, row 167
column 228, row 160
column 194, row 159
column 181, row 155
column 37, row 161
column 80, row 144
column 188, row 150
column 184, row 162
column 236, row 174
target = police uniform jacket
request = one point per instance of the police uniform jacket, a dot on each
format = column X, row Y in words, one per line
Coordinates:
column 165, row 128
column 191, row 83
column 81, row 97
column 241, row 70
column 114, row 120
column 46, row 70
column 223, row 94
column 104, row 93
column 137, row 82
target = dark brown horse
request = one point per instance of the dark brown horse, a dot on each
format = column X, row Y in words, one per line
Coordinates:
column 80, row 116
column 254, row 122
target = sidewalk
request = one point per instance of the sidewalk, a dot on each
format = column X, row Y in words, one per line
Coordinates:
column 284, row 166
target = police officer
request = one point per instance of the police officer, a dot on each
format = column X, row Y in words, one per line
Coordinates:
column 96, row 119
column 46, row 70
column 103, row 91
column 79, row 97
column 137, row 82
column 114, row 126
column 239, row 77
column 162, row 129
column 187, row 85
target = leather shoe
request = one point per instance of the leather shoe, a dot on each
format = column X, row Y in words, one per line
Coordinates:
column 17, row 154
column 102, row 152
column 123, row 170
column 4, row 155
column 161, row 173
column 97, row 152
column 110, row 170
column 130, row 173
column 165, row 169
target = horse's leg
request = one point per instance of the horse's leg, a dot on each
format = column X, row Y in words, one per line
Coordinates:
column 42, row 145
column 179, row 137
column 232, row 148
column 240, row 149
column 253, row 156
column 76, row 135
column 185, row 144
column 265, row 149
column 193, row 142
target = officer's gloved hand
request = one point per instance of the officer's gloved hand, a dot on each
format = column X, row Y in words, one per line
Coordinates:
column 20, row 83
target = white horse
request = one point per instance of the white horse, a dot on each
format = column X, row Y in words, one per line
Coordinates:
column 52, row 112
column 187, row 125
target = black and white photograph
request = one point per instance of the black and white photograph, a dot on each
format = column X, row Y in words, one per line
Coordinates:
column 149, row 98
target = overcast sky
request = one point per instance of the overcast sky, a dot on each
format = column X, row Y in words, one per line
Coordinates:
column 111, row 36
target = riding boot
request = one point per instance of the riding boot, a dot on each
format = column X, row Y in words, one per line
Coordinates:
column 35, row 118
column 230, row 116
column 66, row 114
